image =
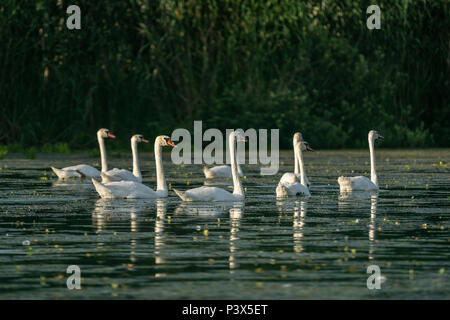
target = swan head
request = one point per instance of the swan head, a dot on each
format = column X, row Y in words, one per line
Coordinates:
column 297, row 137
column 164, row 141
column 239, row 135
column 104, row 133
column 304, row 146
column 373, row 135
column 139, row 138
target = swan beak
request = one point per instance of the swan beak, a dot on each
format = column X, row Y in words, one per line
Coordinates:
column 144, row 140
column 309, row 148
column 111, row 135
column 170, row 143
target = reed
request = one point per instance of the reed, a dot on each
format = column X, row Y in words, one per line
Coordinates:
column 153, row 66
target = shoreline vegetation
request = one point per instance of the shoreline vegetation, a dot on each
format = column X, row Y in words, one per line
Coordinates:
column 124, row 153
column 152, row 66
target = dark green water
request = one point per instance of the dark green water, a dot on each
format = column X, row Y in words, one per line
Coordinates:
column 317, row 247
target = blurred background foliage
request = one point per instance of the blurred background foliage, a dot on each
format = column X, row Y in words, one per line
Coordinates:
column 148, row 66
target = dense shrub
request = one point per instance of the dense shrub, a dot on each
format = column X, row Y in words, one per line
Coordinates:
column 153, row 66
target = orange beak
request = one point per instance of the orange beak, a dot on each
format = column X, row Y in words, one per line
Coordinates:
column 144, row 140
column 309, row 148
column 170, row 143
column 111, row 135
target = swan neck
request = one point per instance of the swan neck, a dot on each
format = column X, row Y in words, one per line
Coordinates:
column 239, row 170
column 160, row 179
column 296, row 168
column 136, row 167
column 236, row 181
column 301, row 165
column 373, row 170
column 101, row 144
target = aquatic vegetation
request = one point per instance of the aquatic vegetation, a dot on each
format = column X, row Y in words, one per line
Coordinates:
column 3, row 151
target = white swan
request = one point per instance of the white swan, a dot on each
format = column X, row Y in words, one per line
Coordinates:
column 214, row 193
column 84, row 170
column 361, row 183
column 123, row 174
column 295, row 188
column 137, row 190
column 291, row 177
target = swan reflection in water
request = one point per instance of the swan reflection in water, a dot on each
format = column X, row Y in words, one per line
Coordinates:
column 161, row 210
column 373, row 214
column 347, row 202
column 236, row 213
column 235, row 210
column 202, row 209
column 105, row 210
column 299, row 209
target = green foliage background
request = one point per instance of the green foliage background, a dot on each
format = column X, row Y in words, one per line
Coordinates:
column 153, row 66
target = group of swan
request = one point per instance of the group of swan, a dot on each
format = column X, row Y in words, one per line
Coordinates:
column 133, row 189
column 121, row 183
column 84, row 170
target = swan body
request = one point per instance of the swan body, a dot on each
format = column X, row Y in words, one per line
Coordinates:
column 291, row 190
column 361, row 183
column 293, row 185
column 206, row 193
column 123, row 174
column 79, row 171
column 134, row 189
column 291, row 177
column 223, row 171
column 126, row 190
column 84, row 170
column 119, row 175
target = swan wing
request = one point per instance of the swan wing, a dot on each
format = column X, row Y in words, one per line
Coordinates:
column 206, row 194
column 290, row 177
column 218, row 172
column 124, row 190
column 120, row 174
column 359, row 183
column 86, row 170
column 66, row 174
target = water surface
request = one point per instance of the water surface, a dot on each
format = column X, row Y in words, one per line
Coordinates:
column 300, row 248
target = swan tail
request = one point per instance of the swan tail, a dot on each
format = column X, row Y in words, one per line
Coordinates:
column 101, row 189
column 282, row 191
column 345, row 183
column 207, row 172
column 64, row 174
column 58, row 172
column 182, row 195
